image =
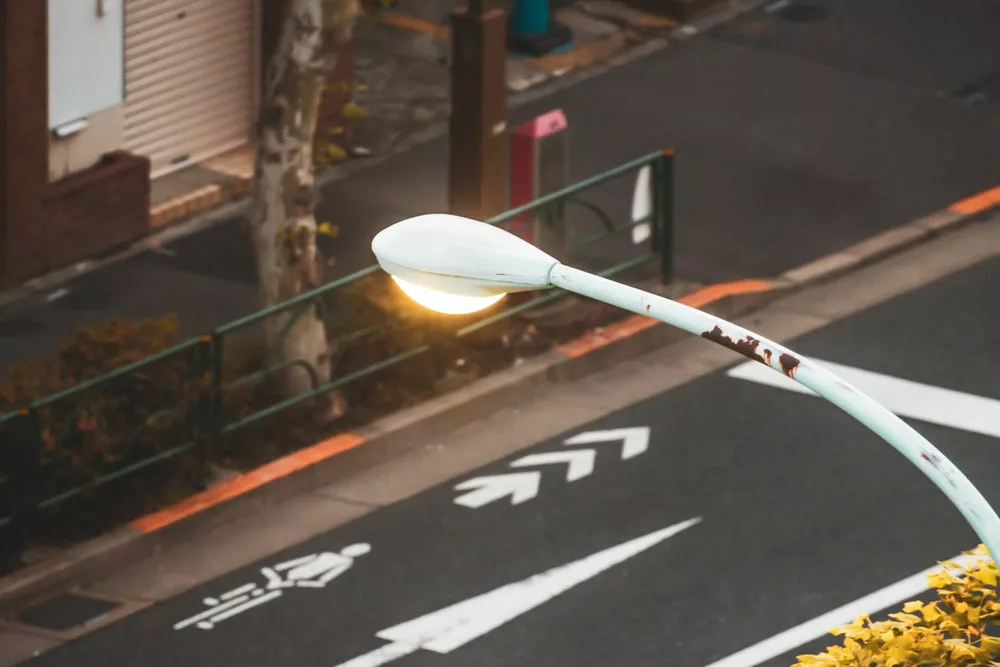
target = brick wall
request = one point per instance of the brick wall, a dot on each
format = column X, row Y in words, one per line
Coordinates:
column 98, row 209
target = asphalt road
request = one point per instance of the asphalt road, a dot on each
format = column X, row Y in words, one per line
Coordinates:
column 795, row 139
column 801, row 511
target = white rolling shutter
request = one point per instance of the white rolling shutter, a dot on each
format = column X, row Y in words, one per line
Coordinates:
column 188, row 79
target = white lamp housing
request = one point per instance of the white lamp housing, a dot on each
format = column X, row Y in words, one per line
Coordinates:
column 476, row 259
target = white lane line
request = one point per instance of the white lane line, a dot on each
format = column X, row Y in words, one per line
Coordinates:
column 925, row 402
column 895, row 594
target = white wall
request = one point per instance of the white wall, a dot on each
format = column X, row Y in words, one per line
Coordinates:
column 80, row 150
column 86, row 60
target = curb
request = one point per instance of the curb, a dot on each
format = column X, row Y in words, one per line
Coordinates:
column 894, row 240
column 325, row 462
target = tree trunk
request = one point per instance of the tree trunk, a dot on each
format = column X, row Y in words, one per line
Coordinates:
column 283, row 222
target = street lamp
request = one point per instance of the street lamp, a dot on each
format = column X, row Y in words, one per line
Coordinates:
column 453, row 264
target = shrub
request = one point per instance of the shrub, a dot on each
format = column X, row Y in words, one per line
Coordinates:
column 94, row 431
column 118, row 426
column 956, row 630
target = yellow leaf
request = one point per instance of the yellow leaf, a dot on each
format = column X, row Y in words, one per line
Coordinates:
column 990, row 644
column 908, row 619
column 328, row 229
column 985, row 575
column 353, row 111
column 897, row 656
column 334, row 131
column 931, row 613
column 911, row 607
column 335, row 152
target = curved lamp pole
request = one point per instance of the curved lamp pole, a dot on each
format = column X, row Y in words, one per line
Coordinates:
column 457, row 265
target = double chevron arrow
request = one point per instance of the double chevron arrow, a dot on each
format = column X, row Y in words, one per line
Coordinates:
column 523, row 486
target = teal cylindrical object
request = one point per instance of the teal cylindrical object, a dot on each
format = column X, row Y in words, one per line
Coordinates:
column 531, row 17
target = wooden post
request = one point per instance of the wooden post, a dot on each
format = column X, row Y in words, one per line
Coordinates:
column 24, row 137
column 477, row 162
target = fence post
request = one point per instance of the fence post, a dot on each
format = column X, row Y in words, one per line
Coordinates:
column 663, row 206
column 215, row 427
column 208, row 366
column 21, row 452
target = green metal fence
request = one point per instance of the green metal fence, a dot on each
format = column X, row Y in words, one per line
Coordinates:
column 170, row 405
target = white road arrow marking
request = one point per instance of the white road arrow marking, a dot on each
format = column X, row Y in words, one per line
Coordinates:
column 450, row 628
column 520, row 486
column 581, row 462
column 634, row 441
column 779, row 644
column 925, row 402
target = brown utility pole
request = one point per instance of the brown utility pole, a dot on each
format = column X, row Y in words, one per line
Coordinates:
column 477, row 161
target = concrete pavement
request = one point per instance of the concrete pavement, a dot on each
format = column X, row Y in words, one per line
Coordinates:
column 801, row 509
column 795, row 139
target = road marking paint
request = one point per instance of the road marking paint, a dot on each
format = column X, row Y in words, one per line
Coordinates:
column 581, row 462
column 247, row 482
column 56, row 295
column 978, row 202
column 215, row 609
column 523, row 486
column 520, row 486
column 779, row 644
column 712, row 293
column 635, row 440
column 229, row 613
column 237, row 592
column 936, row 405
column 447, row 629
column 312, row 571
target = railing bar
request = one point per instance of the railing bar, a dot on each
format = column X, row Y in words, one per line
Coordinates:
column 104, row 479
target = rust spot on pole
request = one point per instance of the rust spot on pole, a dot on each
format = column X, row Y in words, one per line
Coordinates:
column 767, row 356
column 789, row 364
column 745, row 346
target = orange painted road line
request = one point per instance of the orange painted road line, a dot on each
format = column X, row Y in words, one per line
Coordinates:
column 707, row 295
column 636, row 323
column 247, row 482
column 977, row 203
column 341, row 443
column 408, row 22
column 595, row 339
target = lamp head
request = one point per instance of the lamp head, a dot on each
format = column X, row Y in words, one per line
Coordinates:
column 457, row 265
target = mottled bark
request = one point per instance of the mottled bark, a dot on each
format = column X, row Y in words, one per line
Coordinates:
column 283, row 223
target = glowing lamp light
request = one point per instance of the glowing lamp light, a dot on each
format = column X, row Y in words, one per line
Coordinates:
column 445, row 302
column 455, row 265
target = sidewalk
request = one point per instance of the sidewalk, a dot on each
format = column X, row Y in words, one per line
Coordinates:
column 787, row 151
